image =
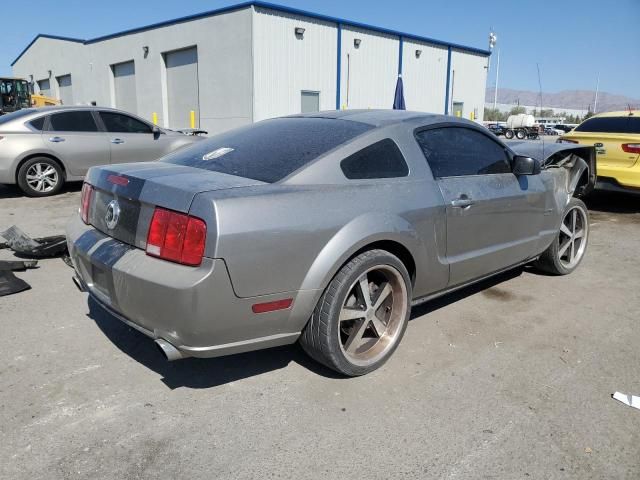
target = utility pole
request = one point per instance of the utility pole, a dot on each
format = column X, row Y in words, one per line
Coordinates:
column 495, row 93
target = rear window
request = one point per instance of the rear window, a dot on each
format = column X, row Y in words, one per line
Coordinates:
column 269, row 151
column 10, row 117
column 627, row 124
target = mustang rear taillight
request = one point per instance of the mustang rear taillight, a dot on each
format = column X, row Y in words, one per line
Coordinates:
column 631, row 147
column 176, row 237
column 85, row 202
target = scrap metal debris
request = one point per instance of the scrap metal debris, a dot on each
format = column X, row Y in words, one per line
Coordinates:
column 9, row 283
column 629, row 400
column 17, row 265
column 23, row 244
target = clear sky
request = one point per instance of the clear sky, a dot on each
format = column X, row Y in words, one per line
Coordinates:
column 572, row 40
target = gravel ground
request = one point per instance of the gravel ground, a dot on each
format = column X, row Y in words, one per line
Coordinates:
column 509, row 379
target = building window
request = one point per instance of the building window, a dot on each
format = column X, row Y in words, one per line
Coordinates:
column 310, row 102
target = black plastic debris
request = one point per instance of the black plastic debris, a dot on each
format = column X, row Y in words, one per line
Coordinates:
column 24, row 245
column 17, row 265
column 9, row 283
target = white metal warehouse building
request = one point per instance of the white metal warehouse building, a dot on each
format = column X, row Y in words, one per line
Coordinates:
column 253, row 61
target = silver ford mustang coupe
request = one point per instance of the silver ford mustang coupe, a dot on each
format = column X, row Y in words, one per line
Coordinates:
column 323, row 229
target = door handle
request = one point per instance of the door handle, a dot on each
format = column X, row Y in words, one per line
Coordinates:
column 117, row 141
column 56, row 139
column 462, row 202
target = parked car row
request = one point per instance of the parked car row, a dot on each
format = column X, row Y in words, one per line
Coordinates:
column 41, row 149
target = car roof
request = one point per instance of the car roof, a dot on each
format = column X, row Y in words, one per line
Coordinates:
column 623, row 113
column 382, row 118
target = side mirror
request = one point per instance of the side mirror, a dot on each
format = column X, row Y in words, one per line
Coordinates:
column 525, row 165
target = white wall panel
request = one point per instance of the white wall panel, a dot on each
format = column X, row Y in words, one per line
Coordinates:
column 369, row 73
column 286, row 64
column 424, row 78
column 468, row 82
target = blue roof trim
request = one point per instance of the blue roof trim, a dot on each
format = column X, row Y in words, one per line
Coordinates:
column 44, row 35
column 268, row 6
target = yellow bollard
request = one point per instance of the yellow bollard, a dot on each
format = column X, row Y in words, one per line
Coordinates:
column 458, row 114
column 193, row 118
column 471, row 116
column 154, row 118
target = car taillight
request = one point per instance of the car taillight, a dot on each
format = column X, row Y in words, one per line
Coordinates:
column 631, row 147
column 176, row 237
column 85, row 202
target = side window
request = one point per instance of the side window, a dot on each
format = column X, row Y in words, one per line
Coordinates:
column 72, row 122
column 38, row 123
column 380, row 160
column 605, row 125
column 456, row 151
column 118, row 123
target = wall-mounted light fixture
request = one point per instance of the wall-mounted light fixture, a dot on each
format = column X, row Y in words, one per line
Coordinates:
column 145, row 51
column 30, row 78
column 300, row 32
column 418, row 53
column 357, row 42
column 49, row 73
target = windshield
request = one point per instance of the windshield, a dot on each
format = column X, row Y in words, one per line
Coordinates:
column 270, row 150
column 14, row 94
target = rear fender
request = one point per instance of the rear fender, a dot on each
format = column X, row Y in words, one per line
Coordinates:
column 354, row 236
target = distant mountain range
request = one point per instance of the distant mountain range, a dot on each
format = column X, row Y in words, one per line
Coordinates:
column 574, row 99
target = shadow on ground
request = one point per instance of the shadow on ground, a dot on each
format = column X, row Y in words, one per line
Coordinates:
column 12, row 191
column 613, row 202
column 195, row 372
column 206, row 373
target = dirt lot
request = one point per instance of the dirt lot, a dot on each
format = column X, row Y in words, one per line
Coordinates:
column 510, row 379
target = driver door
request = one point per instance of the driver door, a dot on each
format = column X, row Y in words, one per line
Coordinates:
column 493, row 217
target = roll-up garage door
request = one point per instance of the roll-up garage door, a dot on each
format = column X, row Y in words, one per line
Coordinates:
column 124, row 80
column 182, row 87
column 65, row 89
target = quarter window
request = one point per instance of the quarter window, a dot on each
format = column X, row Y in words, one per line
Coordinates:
column 118, row 123
column 456, row 151
column 38, row 123
column 73, row 122
column 380, row 160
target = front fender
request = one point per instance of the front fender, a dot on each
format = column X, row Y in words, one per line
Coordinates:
column 354, row 236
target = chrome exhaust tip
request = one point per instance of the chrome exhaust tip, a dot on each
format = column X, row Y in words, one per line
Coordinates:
column 170, row 352
column 78, row 283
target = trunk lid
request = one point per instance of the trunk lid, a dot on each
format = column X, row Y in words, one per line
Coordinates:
column 608, row 147
column 136, row 189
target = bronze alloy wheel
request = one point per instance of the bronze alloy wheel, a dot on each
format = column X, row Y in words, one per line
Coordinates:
column 574, row 230
column 372, row 315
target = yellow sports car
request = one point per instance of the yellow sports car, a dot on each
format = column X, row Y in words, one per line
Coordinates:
column 616, row 136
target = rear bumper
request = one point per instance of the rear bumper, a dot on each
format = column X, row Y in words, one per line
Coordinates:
column 625, row 177
column 194, row 309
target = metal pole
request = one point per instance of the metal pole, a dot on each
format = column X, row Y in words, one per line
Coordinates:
column 595, row 103
column 495, row 94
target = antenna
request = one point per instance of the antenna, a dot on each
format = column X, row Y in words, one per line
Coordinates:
column 540, row 87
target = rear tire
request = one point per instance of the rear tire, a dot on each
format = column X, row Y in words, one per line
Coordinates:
column 361, row 316
column 568, row 248
column 520, row 135
column 509, row 134
column 40, row 177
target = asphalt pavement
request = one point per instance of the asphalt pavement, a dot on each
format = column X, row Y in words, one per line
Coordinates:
column 509, row 379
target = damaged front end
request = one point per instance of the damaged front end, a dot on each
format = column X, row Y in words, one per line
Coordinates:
column 575, row 165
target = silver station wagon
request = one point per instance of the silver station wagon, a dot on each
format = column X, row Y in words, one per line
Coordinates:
column 41, row 149
column 323, row 228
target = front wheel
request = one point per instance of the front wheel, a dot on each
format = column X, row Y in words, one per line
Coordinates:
column 40, row 177
column 568, row 248
column 362, row 315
